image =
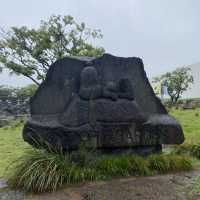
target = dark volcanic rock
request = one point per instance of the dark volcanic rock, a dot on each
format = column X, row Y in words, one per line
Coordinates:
column 104, row 102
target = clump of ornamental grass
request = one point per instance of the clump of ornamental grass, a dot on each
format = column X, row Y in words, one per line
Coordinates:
column 40, row 170
column 122, row 165
column 161, row 163
column 45, row 170
column 187, row 149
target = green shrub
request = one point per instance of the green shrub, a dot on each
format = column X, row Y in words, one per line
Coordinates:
column 139, row 165
column 166, row 163
column 195, row 151
column 14, row 124
column 124, row 165
column 177, row 163
column 159, row 163
column 42, row 170
column 188, row 149
column 39, row 170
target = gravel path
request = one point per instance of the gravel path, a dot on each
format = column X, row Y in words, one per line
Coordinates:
column 161, row 187
column 7, row 194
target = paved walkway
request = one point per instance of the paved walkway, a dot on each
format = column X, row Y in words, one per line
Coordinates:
column 177, row 186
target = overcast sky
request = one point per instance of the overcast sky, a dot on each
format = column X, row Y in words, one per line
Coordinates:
column 164, row 33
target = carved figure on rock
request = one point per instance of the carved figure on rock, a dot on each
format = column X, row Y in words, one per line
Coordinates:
column 125, row 89
column 110, row 91
column 89, row 84
column 106, row 98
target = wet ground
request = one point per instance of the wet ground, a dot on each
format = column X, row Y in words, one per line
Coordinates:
column 177, row 186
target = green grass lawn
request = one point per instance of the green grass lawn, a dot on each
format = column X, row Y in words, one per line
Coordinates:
column 190, row 121
column 12, row 145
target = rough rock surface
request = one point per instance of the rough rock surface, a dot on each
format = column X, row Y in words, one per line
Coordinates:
column 105, row 102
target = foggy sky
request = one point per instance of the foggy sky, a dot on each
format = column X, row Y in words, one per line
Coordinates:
column 164, row 33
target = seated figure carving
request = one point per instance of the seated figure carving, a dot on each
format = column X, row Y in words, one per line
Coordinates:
column 78, row 112
column 110, row 91
column 125, row 89
column 113, row 103
column 89, row 85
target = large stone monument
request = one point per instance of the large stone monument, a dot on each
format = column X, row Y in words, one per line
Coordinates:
column 103, row 102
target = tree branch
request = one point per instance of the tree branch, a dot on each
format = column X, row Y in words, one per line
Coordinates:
column 30, row 77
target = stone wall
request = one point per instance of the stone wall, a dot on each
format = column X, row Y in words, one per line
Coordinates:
column 12, row 108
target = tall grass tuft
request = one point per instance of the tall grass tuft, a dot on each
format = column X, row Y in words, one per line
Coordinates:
column 188, row 149
column 162, row 163
column 42, row 170
column 39, row 171
column 159, row 163
column 124, row 165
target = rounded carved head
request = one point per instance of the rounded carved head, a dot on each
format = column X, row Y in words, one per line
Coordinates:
column 89, row 77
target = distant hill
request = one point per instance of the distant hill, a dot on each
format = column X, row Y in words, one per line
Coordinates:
column 194, row 91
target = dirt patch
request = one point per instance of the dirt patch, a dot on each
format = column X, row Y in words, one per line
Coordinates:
column 161, row 187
